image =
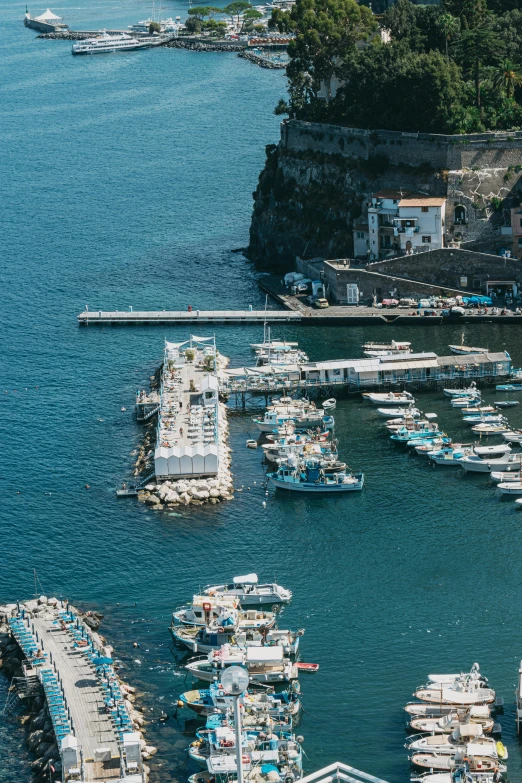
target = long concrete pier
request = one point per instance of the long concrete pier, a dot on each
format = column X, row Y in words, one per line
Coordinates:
column 94, row 732
column 117, row 317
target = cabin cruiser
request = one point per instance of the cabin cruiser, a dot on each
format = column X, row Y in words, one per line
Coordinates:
column 389, row 398
column 470, row 390
column 446, row 724
column 221, row 611
column 206, row 640
column 214, row 699
column 283, row 354
column 120, row 42
column 263, row 664
column 375, row 350
column 309, row 476
column 248, row 591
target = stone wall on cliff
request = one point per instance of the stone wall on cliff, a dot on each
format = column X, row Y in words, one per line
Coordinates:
column 317, row 180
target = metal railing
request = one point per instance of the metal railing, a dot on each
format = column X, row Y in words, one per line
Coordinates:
column 338, row 772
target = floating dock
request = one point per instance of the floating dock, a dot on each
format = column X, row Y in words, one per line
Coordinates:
column 93, row 729
column 119, row 318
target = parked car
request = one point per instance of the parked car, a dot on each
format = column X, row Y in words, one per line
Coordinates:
column 424, row 303
column 321, row 303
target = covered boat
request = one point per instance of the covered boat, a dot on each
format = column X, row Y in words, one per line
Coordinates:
column 446, row 724
column 223, row 612
column 448, row 744
column 463, row 693
column 205, row 640
column 389, row 398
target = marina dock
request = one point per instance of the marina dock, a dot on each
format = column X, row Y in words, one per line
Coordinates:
column 124, row 317
column 94, row 732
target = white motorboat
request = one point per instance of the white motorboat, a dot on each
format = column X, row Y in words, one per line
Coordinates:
column 212, row 700
column 513, row 436
column 449, row 457
column 264, row 664
column 477, row 762
column 466, row 350
column 490, row 429
column 121, row 42
column 478, row 409
column 458, row 774
column 222, row 610
column 301, row 419
column 247, row 590
column 469, row 391
column 310, row 476
column 449, row 679
column 465, row 401
column 389, row 398
column 506, row 404
column 205, row 640
column 492, row 451
column 446, row 724
column 374, row 350
column 509, row 488
column 330, row 404
column 398, row 413
column 472, row 463
column 426, row 710
column 500, row 477
column 166, row 26
column 463, row 693
column 449, row 744
column 479, row 418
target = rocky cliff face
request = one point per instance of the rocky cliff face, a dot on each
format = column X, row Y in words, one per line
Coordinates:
column 317, row 179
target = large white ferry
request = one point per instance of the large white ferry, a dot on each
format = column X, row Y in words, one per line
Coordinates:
column 114, row 43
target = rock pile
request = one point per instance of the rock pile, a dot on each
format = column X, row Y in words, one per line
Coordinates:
column 263, row 62
column 69, row 35
column 37, row 720
column 198, row 46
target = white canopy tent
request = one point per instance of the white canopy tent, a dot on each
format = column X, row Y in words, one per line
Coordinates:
column 47, row 16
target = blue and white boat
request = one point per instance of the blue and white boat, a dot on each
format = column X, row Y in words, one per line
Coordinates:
column 207, row 701
column 249, row 592
column 449, row 456
column 471, row 389
column 404, row 435
column 509, row 387
column 309, row 476
column 221, row 611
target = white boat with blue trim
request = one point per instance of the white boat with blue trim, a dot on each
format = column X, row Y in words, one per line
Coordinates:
column 309, row 476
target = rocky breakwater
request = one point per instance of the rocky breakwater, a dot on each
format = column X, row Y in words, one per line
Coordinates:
column 262, row 61
column 31, row 709
column 200, row 46
column 196, row 491
column 67, row 35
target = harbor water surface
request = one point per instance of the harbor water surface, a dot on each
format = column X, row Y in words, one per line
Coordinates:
column 127, row 181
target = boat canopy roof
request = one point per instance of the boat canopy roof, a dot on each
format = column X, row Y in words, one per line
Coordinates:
column 226, row 601
column 249, row 579
column 479, row 710
column 264, row 654
column 465, row 730
column 47, row 16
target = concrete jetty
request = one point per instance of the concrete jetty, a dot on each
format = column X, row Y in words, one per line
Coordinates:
column 67, row 665
column 93, row 317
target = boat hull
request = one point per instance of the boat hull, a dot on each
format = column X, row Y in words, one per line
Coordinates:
column 318, row 489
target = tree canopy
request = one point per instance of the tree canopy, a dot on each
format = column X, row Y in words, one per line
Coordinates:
column 449, row 68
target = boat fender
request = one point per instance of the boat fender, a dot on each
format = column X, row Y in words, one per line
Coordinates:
column 245, row 759
column 207, row 607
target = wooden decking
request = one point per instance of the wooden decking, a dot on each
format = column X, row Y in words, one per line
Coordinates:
column 91, row 723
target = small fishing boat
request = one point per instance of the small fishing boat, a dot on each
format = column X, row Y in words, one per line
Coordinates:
column 449, row 457
column 506, row 404
column 476, row 418
column 463, row 693
column 424, row 709
column 205, row 640
column 403, row 436
column 460, row 737
column 501, row 477
column 374, row 350
column 389, row 398
column 470, row 410
column 247, row 590
column 472, row 463
column 429, row 445
column 490, row 429
column 307, row 667
column 221, row 611
column 309, row 476
column 263, row 664
column 459, row 774
column 398, row 413
column 470, row 390
column 492, row 451
column 448, row 679
column 465, row 401
column 446, row 724
column 477, row 762
column 515, row 387
column 214, row 699
column 251, row 444
column 301, row 419
column 466, row 350
column 513, row 436
column 509, row 488
column 329, row 405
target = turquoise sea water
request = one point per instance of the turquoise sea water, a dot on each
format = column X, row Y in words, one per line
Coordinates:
column 126, row 181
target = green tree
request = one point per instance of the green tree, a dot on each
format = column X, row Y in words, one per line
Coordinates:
column 235, row 9
column 326, row 33
column 472, row 13
column 506, row 77
column 450, row 28
column 281, row 21
column 249, row 17
column 475, row 49
column 201, row 12
column 154, row 27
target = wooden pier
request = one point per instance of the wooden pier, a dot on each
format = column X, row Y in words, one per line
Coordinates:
column 125, row 317
column 94, row 732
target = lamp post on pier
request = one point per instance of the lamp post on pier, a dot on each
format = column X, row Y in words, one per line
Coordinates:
column 235, row 681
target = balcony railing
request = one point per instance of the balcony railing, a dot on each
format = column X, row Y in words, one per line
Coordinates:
column 413, row 229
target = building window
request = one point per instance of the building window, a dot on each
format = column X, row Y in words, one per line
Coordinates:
column 521, row 222
column 520, row 241
column 460, row 214
column 424, row 209
column 360, row 235
column 426, row 240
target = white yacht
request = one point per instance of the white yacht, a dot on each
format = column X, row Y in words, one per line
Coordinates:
column 166, row 26
column 106, row 43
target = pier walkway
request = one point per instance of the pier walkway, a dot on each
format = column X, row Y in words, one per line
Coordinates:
column 124, row 317
column 94, row 732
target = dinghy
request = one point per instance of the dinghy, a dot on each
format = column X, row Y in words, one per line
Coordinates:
column 509, row 488
column 466, row 350
column 500, row 477
column 506, row 404
column 247, row 590
column 329, row 405
column 466, row 401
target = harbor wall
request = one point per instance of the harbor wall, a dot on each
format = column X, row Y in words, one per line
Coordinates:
column 317, row 181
